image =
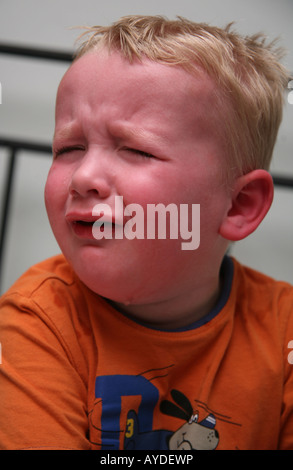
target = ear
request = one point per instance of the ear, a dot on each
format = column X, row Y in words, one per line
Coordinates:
column 251, row 199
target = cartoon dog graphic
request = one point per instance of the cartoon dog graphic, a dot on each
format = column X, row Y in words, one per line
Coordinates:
column 192, row 435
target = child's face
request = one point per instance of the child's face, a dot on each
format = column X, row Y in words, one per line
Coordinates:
column 108, row 111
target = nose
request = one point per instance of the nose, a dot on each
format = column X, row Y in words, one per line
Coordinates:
column 92, row 175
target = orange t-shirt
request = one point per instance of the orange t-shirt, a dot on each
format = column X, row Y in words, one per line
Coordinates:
column 77, row 374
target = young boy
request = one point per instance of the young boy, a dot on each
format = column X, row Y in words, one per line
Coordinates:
column 134, row 342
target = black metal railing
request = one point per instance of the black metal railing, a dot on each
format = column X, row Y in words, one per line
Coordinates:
column 14, row 145
column 33, row 52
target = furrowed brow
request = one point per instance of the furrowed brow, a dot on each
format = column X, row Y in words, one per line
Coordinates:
column 66, row 132
column 126, row 132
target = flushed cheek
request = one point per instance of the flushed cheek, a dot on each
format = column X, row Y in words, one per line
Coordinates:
column 157, row 189
column 49, row 200
column 55, row 197
column 213, row 212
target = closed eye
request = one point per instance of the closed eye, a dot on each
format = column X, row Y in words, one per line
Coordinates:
column 68, row 149
column 138, row 152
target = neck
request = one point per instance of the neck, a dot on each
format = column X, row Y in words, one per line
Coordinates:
column 177, row 312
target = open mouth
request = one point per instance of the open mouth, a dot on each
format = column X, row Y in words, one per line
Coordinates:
column 102, row 225
column 94, row 226
column 85, row 223
column 89, row 228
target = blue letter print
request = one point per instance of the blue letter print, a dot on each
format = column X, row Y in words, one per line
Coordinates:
column 110, row 388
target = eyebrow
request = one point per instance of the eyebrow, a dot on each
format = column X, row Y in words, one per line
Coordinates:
column 68, row 130
column 123, row 131
column 127, row 132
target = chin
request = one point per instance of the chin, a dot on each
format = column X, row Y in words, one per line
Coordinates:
column 108, row 283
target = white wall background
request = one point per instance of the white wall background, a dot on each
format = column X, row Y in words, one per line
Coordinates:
column 27, row 111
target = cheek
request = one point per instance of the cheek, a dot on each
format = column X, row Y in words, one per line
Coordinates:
column 54, row 193
column 213, row 211
column 48, row 194
column 151, row 188
column 136, row 185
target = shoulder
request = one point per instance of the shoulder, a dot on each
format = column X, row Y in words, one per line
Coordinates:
column 258, row 281
column 47, row 309
column 261, row 293
column 49, row 289
column 41, row 274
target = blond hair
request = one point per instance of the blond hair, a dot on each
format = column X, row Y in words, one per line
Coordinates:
column 247, row 73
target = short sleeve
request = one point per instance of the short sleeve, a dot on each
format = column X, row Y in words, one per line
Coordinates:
column 42, row 395
column 286, row 429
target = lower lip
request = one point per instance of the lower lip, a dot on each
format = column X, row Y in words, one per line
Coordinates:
column 83, row 230
column 86, row 230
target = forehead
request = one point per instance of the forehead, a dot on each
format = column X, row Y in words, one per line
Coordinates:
column 104, row 62
column 109, row 83
column 92, row 69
